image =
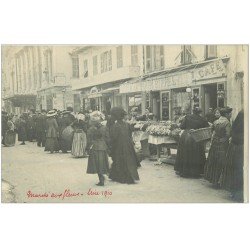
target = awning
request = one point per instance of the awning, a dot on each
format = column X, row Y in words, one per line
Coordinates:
column 94, row 95
column 110, row 90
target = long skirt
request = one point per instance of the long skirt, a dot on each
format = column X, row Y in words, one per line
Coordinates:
column 216, row 161
column 98, row 162
column 79, row 144
column 66, row 139
column 232, row 174
column 190, row 159
column 51, row 144
column 10, row 138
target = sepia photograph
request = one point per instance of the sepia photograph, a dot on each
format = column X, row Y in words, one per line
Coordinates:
column 124, row 123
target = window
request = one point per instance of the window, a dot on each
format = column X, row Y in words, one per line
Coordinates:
column 186, row 54
column 158, row 57
column 148, row 58
column 106, row 61
column 165, row 103
column 119, row 56
column 135, row 102
column 95, row 68
column 134, row 55
column 210, row 51
column 109, row 60
column 75, row 67
column 85, row 69
column 154, row 57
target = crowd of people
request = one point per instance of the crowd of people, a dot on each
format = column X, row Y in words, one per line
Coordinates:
column 98, row 136
column 224, row 164
column 85, row 134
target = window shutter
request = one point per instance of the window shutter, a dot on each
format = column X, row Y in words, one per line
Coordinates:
column 211, row 51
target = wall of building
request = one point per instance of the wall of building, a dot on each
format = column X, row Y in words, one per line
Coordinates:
column 115, row 74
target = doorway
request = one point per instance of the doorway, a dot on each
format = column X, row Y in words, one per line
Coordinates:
column 156, row 104
column 210, row 97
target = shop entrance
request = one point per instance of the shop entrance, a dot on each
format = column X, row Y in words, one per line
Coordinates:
column 156, row 104
column 210, row 97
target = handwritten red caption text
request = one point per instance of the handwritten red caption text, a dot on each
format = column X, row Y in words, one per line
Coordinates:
column 67, row 194
column 93, row 192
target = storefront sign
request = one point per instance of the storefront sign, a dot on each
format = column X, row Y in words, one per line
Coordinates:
column 178, row 80
column 213, row 69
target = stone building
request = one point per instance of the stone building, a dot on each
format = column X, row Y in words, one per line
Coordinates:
column 177, row 77
column 98, row 72
column 36, row 77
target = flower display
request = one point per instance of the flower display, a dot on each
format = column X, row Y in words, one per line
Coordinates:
column 163, row 128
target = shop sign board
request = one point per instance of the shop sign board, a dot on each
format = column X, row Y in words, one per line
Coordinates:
column 213, row 69
column 183, row 79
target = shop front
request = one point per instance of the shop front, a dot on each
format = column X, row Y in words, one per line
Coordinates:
column 174, row 94
column 18, row 104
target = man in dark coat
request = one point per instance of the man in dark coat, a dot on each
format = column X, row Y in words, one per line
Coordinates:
column 31, row 126
column 22, row 129
column 41, row 128
column 4, row 125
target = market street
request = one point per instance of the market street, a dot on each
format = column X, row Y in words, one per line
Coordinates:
column 62, row 178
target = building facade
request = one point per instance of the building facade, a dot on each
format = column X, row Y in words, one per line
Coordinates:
column 98, row 72
column 178, row 77
column 36, row 77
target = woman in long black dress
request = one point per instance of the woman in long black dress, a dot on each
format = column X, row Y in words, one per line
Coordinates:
column 232, row 174
column 191, row 157
column 125, row 161
column 219, row 146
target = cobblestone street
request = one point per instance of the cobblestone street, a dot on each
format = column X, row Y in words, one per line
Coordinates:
column 62, row 178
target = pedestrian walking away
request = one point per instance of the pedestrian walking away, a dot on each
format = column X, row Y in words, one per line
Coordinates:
column 79, row 140
column 125, row 161
column 52, row 133
column 97, row 146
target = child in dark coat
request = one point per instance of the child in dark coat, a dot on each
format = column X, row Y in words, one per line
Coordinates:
column 97, row 146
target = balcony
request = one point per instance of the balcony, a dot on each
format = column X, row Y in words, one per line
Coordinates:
column 109, row 76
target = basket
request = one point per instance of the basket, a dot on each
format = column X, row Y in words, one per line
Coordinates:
column 202, row 134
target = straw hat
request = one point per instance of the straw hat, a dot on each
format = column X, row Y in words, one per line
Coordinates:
column 97, row 116
column 51, row 113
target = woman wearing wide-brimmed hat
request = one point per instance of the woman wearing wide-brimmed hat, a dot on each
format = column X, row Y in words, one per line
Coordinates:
column 219, row 146
column 125, row 161
column 190, row 159
column 52, row 132
column 97, row 146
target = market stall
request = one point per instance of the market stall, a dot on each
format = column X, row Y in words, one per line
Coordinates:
column 163, row 134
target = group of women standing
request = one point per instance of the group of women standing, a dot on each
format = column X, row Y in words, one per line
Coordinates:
column 100, row 141
column 224, row 165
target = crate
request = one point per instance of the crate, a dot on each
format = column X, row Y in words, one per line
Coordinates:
column 202, row 134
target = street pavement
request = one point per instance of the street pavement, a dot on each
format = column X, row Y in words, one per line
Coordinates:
column 30, row 175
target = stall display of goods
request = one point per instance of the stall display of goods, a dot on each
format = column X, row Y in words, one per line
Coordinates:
column 167, row 128
column 142, row 125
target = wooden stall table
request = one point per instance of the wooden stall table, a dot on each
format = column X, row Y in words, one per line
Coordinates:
column 160, row 141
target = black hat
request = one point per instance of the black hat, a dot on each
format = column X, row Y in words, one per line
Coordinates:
column 226, row 110
column 70, row 109
column 197, row 110
column 118, row 113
